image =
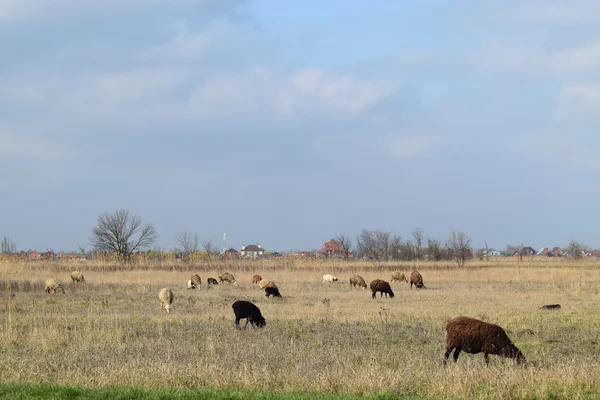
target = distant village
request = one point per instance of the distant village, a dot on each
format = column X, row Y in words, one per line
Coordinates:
column 332, row 248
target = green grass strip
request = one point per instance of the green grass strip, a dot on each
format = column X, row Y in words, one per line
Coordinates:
column 26, row 391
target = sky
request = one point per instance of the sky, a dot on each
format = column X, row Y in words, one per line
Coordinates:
column 286, row 123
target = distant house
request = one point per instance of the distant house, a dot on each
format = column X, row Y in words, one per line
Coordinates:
column 527, row 251
column 592, row 253
column 556, row 252
column 542, row 251
column 252, row 250
column 231, row 254
column 331, row 248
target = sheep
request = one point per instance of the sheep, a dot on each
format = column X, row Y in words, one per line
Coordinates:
column 329, row 278
column 272, row 291
column 398, row 276
column 189, row 285
column 227, row 277
column 474, row 336
column 52, row 285
column 245, row 309
column 379, row 285
column 416, row 279
column 256, row 278
column 211, row 281
column 550, row 307
column 166, row 299
column 196, row 281
column 358, row 280
column 265, row 283
column 77, row 276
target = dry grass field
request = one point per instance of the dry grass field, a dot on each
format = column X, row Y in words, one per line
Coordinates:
column 319, row 337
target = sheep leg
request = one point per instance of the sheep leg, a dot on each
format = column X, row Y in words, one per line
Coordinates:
column 486, row 358
column 237, row 323
column 246, row 325
column 447, row 354
column 456, row 353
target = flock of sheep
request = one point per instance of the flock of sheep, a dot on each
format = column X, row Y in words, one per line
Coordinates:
column 462, row 333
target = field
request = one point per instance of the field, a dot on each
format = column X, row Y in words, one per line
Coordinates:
column 320, row 338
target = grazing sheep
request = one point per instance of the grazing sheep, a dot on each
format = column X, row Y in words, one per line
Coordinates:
column 550, row 307
column 358, row 280
column 212, row 281
column 77, row 276
column 416, row 279
column 245, row 309
column 398, row 277
column 227, row 277
column 379, row 285
column 166, row 299
column 474, row 336
column 256, row 278
column 329, row 278
column 196, row 281
column 272, row 291
column 265, row 283
column 52, row 285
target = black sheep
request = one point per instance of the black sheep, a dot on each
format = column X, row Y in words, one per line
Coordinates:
column 379, row 285
column 272, row 291
column 474, row 336
column 245, row 309
column 212, row 281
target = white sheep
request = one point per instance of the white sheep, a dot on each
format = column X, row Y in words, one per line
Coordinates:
column 190, row 286
column 265, row 283
column 77, row 276
column 166, row 299
column 329, row 278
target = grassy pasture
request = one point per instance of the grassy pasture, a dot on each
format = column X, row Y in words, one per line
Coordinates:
column 320, row 338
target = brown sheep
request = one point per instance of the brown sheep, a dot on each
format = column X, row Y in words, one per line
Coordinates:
column 52, row 285
column 381, row 286
column 196, row 281
column 227, row 277
column 416, row 279
column 358, row 280
column 77, row 276
column 265, row 283
column 474, row 336
column 256, row 278
column 398, row 277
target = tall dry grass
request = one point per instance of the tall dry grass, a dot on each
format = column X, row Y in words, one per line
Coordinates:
column 319, row 337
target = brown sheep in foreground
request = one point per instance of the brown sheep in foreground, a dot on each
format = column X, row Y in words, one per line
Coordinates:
column 52, row 285
column 77, row 276
column 256, row 278
column 379, row 285
column 358, row 280
column 399, row 277
column 416, row 279
column 474, row 336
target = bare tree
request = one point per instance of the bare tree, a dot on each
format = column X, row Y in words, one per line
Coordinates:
column 190, row 244
column 575, row 249
column 434, row 249
column 459, row 245
column 8, row 246
column 122, row 233
column 346, row 243
column 210, row 248
column 417, row 235
column 374, row 245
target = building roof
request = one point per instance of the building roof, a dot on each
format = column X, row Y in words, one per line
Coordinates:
column 252, row 247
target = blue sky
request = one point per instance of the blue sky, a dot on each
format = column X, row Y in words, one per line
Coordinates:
column 289, row 122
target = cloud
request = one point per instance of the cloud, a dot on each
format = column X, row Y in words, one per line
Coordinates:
column 412, row 147
column 12, row 146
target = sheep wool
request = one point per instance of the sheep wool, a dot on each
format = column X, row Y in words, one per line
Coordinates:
column 265, row 283
column 166, row 299
column 358, row 280
column 328, row 278
column 416, row 279
column 52, row 285
column 398, row 277
column 379, row 285
column 77, row 276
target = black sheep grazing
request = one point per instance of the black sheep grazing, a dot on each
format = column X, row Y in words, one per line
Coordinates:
column 272, row 291
column 474, row 336
column 379, row 285
column 550, row 307
column 245, row 309
column 212, row 281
